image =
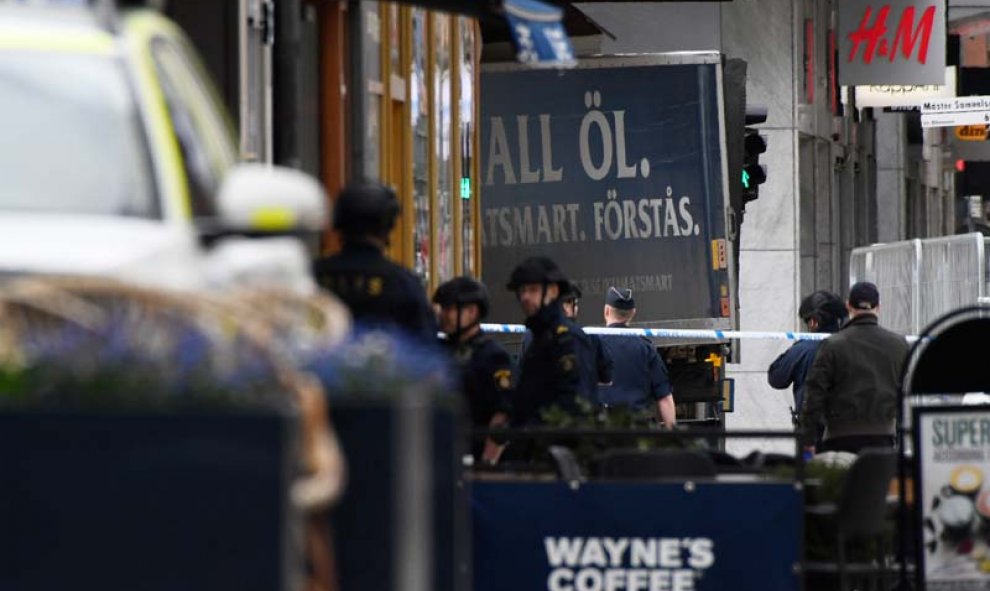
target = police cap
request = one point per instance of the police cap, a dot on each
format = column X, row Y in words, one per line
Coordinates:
column 365, row 209
column 462, row 291
column 537, row 270
column 620, row 298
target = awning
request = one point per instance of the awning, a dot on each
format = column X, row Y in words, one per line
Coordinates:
column 536, row 27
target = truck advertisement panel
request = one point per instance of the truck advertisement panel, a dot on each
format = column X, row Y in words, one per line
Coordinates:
column 614, row 170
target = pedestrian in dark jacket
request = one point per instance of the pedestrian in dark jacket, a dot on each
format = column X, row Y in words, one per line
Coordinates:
column 854, row 378
column 822, row 312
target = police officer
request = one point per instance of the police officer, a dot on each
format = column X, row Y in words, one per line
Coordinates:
column 640, row 380
column 596, row 363
column 378, row 292
column 486, row 369
column 549, row 373
column 821, row 311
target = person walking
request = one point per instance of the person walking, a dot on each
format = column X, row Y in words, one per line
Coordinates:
column 853, row 381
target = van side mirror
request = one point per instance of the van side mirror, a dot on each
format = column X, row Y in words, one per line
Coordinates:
column 261, row 199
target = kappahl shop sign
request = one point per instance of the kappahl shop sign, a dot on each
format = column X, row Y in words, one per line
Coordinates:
column 891, row 42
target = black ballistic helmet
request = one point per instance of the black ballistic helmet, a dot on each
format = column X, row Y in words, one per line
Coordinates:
column 572, row 292
column 825, row 307
column 462, row 291
column 540, row 270
column 365, row 209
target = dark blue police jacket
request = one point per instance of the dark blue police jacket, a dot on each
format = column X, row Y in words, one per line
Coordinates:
column 594, row 363
column 792, row 368
column 639, row 376
column 549, row 370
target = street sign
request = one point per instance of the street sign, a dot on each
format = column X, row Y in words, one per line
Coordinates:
column 966, row 110
column 972, row 133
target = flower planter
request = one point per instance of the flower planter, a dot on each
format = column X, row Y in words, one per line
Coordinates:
column 191, row 500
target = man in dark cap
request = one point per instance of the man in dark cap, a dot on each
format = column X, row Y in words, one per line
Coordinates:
column 821, row 311
column 549, row 372
column 486, row 369
column 639, row 379
column 853, row 381
column 378, row 292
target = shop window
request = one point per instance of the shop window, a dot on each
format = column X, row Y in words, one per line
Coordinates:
column 442, row 139
column 466, row 198
column 376, row 88
column 420, row 125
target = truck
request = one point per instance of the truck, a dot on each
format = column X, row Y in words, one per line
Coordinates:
column 617, row 170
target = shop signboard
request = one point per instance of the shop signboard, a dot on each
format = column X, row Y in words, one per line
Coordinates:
column 952, row 492
column 972, row 133
column 891, row 42
column 964, row 110
column 905, row 95
column 645, row 536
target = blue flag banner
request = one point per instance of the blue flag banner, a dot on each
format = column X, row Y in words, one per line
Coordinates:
column 538, row 33
column 636, row 536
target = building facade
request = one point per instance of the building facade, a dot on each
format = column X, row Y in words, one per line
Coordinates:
column 359, row 90
column 838, row 177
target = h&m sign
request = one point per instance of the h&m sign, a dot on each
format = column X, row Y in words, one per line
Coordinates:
column 891, row 42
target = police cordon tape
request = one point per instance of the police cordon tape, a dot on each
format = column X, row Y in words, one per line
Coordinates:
column 679, row 333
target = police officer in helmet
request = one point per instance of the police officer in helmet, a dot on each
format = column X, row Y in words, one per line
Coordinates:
column 378, row 292
column 486, row 369
column 640, row 380
column 549, row 373
column 596, row 364
column 822, row 311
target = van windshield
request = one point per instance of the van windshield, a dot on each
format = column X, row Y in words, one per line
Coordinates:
column 72, row 137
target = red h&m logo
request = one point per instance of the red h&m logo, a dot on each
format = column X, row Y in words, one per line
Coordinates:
column 872, row 36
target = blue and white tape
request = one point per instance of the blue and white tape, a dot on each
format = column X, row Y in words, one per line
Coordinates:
column 676, row 333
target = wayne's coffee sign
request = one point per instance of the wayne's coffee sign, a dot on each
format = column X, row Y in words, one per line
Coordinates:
column 891, row 42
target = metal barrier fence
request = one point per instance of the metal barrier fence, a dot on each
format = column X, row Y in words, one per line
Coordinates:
column 920, row 280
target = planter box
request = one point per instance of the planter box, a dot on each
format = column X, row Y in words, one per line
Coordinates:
column 367, row 524
column 156, row 501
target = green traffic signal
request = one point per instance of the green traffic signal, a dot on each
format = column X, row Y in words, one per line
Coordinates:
column 745, row 179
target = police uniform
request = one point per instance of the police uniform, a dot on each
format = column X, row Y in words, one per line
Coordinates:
column 487, row 371
column 639, row 377
column 487, row 376
column 378, row 292
column 594, row 359
column 549, row 372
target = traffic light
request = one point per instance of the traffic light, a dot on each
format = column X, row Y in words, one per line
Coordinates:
column 754, row 174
